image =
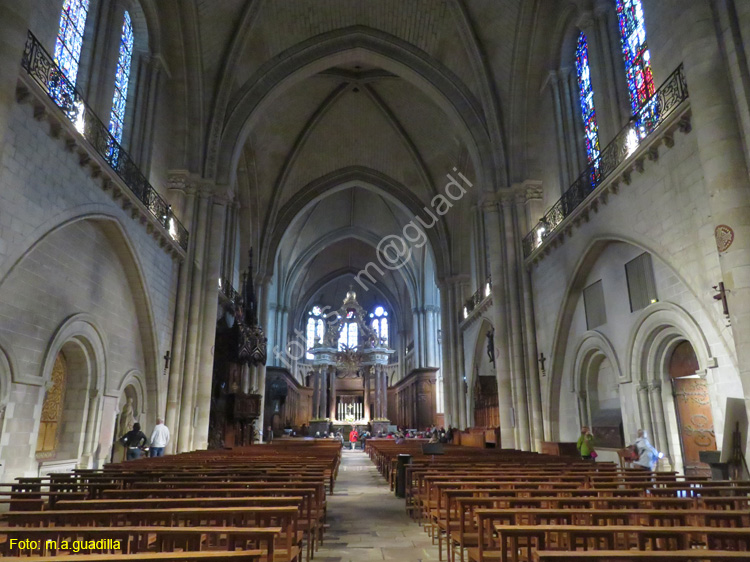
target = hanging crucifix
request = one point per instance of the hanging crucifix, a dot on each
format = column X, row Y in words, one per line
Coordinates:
column 541, row 361
column 491, row 345
column 167, row 358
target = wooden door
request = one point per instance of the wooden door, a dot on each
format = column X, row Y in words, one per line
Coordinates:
column 693, row 408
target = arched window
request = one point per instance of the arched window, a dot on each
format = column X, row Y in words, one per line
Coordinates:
column 315, row 328
column 349, row 334
column 637, row 61
column 586, row 96
column 70, row 37
column 379, row 324
column 122, row 77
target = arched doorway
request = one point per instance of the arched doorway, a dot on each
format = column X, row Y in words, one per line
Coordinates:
column 52, row 410
column 486, row 412
column 693, row 409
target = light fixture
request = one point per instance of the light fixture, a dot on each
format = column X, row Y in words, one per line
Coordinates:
column 466, row 313
column 487, row 289
column 631, row 141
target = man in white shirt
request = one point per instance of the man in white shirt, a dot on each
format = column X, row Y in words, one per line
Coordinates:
column 159, row 439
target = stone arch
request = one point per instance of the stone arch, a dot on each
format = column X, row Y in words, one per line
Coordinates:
column 385, row 50
column 7, row 369
column 659, row 329
column 342, row 179
column 564, row 316
column 116, row 230
column 593, row 351
column 84, row 346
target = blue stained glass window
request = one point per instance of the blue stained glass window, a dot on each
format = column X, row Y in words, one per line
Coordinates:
column 586, row 96
column 637, row 64
column 70, row 37
column 122, row 77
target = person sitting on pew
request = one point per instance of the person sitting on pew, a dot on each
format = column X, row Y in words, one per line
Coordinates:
column 135, row 440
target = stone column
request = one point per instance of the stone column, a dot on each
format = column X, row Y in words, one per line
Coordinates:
column 332, row 378
column 210, row 309
column 657, row 414
column 177, row 364
column 324, row 391
column 14, row 25
column 720, row 149
column 367, row 376
column 447, row 318
column 517, row 359
column 644, row 407
column 263, row 302
column 92, row 429
column 553, row 79
column 532, row 366
column 187, row 402
column 384, row 374
column 499, row 320
column 417, row 333
column 316, row 393
column 378, row 395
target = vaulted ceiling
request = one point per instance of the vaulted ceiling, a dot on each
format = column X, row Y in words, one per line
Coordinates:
column 336, row 122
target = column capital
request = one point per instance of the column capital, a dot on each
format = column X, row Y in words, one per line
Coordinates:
column 655, row 387
column 643, row 386
column 586, row 21
column 181, row 180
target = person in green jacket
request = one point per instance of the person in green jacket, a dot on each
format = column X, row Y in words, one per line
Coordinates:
column 586, row 444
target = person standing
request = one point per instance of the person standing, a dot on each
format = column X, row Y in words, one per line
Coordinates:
column 134, row 440
column 585, row 444
column 159, row 439
column 353, row 438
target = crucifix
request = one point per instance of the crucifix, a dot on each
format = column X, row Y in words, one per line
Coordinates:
column 541, row 361
column 167, row 358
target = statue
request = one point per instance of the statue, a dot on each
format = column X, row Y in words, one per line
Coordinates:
column 127, row 419
column 491, row 345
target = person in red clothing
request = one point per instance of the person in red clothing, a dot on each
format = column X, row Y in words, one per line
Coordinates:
column 353, row 437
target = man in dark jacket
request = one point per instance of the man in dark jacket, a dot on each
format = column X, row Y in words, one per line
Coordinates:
column 134, row 440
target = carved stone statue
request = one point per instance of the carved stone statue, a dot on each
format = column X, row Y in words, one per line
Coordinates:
column 127, row 419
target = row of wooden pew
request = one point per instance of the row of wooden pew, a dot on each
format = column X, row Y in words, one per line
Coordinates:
column 485, row 505
column 265, row 503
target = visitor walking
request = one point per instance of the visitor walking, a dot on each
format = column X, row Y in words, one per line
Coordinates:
column 353, row 438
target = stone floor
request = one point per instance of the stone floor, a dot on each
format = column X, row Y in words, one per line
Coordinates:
column 367, row 521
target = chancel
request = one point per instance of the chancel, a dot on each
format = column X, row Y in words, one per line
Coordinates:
column 252, row 242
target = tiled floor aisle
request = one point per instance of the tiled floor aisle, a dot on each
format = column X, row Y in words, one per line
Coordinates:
column 367, row 522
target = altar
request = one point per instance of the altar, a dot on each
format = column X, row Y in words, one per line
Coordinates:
column 349, row 380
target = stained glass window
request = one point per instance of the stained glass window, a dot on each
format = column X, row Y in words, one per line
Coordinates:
column 637, row 63
column 70, row 37
column 380, row 324
column 122, row 77
column 586, row 96
column 315, row 329
column 348, row 335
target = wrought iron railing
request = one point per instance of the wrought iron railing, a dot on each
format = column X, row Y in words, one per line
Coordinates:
column 473, row 301
column 228, row 290
column 42, row 68
column 651, row 114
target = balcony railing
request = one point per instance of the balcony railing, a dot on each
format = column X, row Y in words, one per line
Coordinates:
column 226, row 288
column 651, row 114
column 474, row 300
column 42, row 69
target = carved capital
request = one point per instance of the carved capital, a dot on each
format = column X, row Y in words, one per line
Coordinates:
column 585, row 22
column 179, row 180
